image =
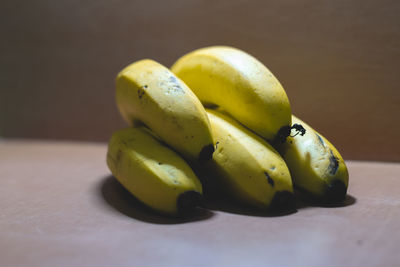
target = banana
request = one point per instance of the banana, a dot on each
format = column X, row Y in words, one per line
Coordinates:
column 245, row 164
column 150, row 94
column 315, row 164
column 237, row 82
column 152, row 172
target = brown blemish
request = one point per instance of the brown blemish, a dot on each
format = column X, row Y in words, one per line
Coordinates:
column 175, row 86
column 333, row 164
column 216, row 145
column 119, row 155
column 320, row 139
column 270, row 180
column 140, row 92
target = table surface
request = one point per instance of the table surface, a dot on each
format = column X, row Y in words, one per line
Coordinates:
column 60, row 206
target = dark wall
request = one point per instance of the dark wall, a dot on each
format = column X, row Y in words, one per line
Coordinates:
column 338, row 61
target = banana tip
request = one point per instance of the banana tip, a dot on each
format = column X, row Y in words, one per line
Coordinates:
column 282, row 201
column 336, row 192
column 188, row 200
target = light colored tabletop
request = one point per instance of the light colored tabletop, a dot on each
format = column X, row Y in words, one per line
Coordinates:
column 59, row 206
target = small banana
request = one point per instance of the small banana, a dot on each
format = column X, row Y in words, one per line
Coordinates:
column 246, row 165
column 315, row 164
column 238, row 83
column 152, row 172
column 150, row 94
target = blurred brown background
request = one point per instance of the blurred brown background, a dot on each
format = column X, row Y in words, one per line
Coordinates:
column 338, row 61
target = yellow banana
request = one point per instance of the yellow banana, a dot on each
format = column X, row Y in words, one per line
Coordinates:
column 315, row 164
column 240, row 84
column 149, row 93
column 246, row 165
column 152, row 172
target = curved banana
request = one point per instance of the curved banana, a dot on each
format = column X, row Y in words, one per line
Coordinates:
column 149, row 93
column 315, row 164
column 152, row 172
column 246, row 165
column 238, row 83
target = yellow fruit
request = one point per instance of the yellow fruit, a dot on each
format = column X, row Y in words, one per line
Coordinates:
column 250, row 169
column 152, row 172
column 148, row 93
column 315, row 164
column 238, row 83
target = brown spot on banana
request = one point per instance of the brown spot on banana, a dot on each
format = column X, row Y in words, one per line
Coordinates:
column 320, row 139
column 140, row 92
column 270, row 180
column 333, row 163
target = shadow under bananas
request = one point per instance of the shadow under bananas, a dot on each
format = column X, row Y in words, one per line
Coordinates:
column 115, row 195
column 225, row 203
column 303, row 201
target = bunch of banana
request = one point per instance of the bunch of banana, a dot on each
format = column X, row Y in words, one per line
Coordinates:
column 238, row 83
column 171, row 132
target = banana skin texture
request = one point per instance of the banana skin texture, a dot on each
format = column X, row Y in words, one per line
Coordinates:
column 238, row 83
column 249, row 168
column 153, row 173
column 315, row 164
column 150, row 94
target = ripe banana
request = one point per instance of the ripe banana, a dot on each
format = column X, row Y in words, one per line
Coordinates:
column 246, row 165
column 315, row 164
column 149, row 93
column 152, row 172
column 238, row 83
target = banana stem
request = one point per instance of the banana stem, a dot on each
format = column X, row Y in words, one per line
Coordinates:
column 299, row 128
column 285, row 131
